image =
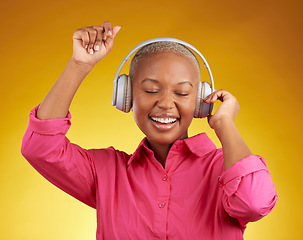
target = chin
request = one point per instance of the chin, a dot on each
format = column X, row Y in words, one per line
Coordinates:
column 165, row 139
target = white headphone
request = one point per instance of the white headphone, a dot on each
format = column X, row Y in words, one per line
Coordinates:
column 122, row 91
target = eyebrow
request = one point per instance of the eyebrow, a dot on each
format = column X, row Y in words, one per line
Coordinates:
column 156, row 81
column 185, row 82
column 149, row 79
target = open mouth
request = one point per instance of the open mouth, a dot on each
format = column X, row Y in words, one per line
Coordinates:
column 164, row 120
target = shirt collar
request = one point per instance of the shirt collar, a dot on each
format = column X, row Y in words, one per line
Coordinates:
column 199, row 145
column 141, row 146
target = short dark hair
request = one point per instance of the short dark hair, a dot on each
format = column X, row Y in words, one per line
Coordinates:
column 162, row 47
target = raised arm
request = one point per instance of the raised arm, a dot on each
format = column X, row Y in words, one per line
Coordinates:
column 90, row 45
column 234, row 148
column 249, row 193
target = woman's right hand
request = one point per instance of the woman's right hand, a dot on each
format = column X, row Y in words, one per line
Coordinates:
column 91, row 44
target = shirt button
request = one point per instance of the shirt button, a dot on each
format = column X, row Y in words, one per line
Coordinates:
column 161, row 205
column 178, row 146
column 164, row 177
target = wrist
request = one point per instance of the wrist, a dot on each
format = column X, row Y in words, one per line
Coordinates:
column 221, row 124
column 80, row 66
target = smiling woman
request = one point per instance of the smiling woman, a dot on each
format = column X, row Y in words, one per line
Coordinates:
column 173, row 186
column 165, row 86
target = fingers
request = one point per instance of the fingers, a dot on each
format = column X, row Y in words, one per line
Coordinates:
column 107, row 30
column 91, row 44
column 93, row 38
column 82, row 36
column 227, row 110
column 87, row 36
column 111, row 38
column 217, row 95
column 98, row 39
column 213, row 97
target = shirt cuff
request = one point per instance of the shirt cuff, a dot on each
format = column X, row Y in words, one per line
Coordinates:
column 50, row 126
column 231, row 178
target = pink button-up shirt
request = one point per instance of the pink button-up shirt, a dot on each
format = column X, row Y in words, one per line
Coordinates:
column 193, row 197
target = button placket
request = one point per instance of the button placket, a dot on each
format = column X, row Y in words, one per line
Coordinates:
column 164, row 190
column 162, row 203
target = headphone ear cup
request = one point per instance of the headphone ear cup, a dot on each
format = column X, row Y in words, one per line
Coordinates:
column 124, row 93
column 121, row 85
column 128, row 96
column 203, row 109
column 199, row 101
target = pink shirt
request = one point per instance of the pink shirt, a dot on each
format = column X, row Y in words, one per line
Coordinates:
column 193, row 197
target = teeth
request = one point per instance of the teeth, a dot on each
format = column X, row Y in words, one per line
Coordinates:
column 164, row 120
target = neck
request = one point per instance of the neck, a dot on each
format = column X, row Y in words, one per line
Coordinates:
column 160, row 151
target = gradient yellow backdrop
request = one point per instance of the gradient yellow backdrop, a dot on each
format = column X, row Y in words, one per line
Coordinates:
column 254, row 49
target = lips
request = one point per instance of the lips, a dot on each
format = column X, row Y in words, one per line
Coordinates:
column 164, row 122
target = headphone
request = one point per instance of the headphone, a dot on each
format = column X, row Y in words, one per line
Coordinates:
column 122, row 90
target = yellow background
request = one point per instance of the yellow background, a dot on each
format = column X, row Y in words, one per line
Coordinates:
column 254, row 49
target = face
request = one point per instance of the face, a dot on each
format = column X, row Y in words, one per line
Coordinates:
column 164, row 96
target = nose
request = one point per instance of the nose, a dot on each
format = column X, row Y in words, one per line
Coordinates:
column 166, row 101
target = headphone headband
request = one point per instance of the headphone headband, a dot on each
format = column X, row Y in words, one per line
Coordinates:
column 159, row 40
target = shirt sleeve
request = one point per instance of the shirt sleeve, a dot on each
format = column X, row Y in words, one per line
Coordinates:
column 249, row 193
column 64, row 164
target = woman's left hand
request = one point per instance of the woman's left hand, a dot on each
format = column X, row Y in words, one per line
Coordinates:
column 227, row 110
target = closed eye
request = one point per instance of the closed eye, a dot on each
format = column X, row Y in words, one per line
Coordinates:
column 149, row 91
column 182, row 94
